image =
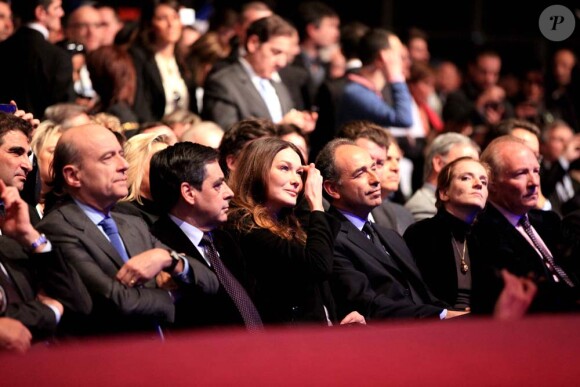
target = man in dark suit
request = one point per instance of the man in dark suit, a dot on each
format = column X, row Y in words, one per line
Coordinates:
column 506, row 240
column 120, row 269
column 35, row 72
column 19, row 292
column 374, row 274
column 248, row 87
column 189, row 185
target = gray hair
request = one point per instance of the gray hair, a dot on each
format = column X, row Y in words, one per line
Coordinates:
column 441, row 146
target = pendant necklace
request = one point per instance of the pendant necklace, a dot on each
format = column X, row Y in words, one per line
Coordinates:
column 462, row 264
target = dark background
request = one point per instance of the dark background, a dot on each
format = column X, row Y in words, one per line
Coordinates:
column 455, row 28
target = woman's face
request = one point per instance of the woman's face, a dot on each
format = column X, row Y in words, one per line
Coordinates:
column 45, row 156
column 166, row 25
column 468, row 187
column 284, row 180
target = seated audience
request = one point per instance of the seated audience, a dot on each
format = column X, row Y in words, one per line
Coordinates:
column 105, row 264
column 188, row 185
column 291, row 265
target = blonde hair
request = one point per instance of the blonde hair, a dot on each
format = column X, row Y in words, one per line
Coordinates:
column 137, row 150
column 46, row 129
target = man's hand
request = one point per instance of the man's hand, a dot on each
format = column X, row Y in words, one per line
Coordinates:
column 26, row 116
column 15, row 223
column 515, row 298
column 143, row 267
column 46, row 300
column 305, row 120
column 455, row 313
column 354, row 318
column 165, row 281
column 14, row 336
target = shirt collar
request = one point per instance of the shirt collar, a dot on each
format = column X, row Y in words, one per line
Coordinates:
column 40, row 28
column 355, row 220
column 512, row 218
column 94, row 215
column 193, row 233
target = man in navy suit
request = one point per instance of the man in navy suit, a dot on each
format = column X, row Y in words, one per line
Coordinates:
column 374, row 272
column 188, row 184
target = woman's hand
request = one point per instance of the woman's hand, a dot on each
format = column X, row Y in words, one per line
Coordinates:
column 313, row 188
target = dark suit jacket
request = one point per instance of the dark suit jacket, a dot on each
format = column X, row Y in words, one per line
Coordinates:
column 150, row 95
column 291, row 278
column 206, row 310
column 393, row 215
column 102, row 304
column 364, row 280
column 36, row 316
column 35, row 73
column 499, row 245
column 230, row 96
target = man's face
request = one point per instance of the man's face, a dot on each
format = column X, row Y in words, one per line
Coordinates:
column 558, row 138
column 391, row 175
column 378, row 155
column 110, row 25
column 211, row 203
column 6, row 25
column 270, row 56
column 101, row 176
column 358, row 190
column 419, row 50
column 327, row 33
column 51, row 16
column 486, row 71
column 516, row 187
column 85, row 27
column 564, row 62
column 14, row 161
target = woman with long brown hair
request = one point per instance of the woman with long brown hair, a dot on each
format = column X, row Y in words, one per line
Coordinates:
column 290, row 264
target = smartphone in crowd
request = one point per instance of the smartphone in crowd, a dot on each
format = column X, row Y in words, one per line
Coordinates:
column 7, row 108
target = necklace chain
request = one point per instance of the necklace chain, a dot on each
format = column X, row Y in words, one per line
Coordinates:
column 463, row 265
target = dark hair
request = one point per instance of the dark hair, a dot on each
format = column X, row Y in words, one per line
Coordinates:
column 9, row 123
column 312, row 12
column 419, row 72
column 354, row 130
column 113, row 75
column 350, row 35
column 325, row 161
column 249, row 182
column 183, row 162
column 240, row 134
column 372, row 43
column 146, row 32
column 25, row 9
column 507, row 126
column 269, row 27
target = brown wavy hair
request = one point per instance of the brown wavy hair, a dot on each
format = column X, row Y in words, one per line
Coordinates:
column 249, row 181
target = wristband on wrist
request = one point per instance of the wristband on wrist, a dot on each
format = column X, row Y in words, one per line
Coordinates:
column 39, row 242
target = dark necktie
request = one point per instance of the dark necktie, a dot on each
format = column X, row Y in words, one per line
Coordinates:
column 234, row 289
column 553, row 268
column 372, row 234
column 9, row 288
column 110, row 228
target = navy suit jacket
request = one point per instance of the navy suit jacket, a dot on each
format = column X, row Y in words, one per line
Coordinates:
column 364, row 280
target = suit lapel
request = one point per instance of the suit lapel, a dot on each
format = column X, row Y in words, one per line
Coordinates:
column 397, row 251
column 170, row 234
column 78, row 219
column 254, row 97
